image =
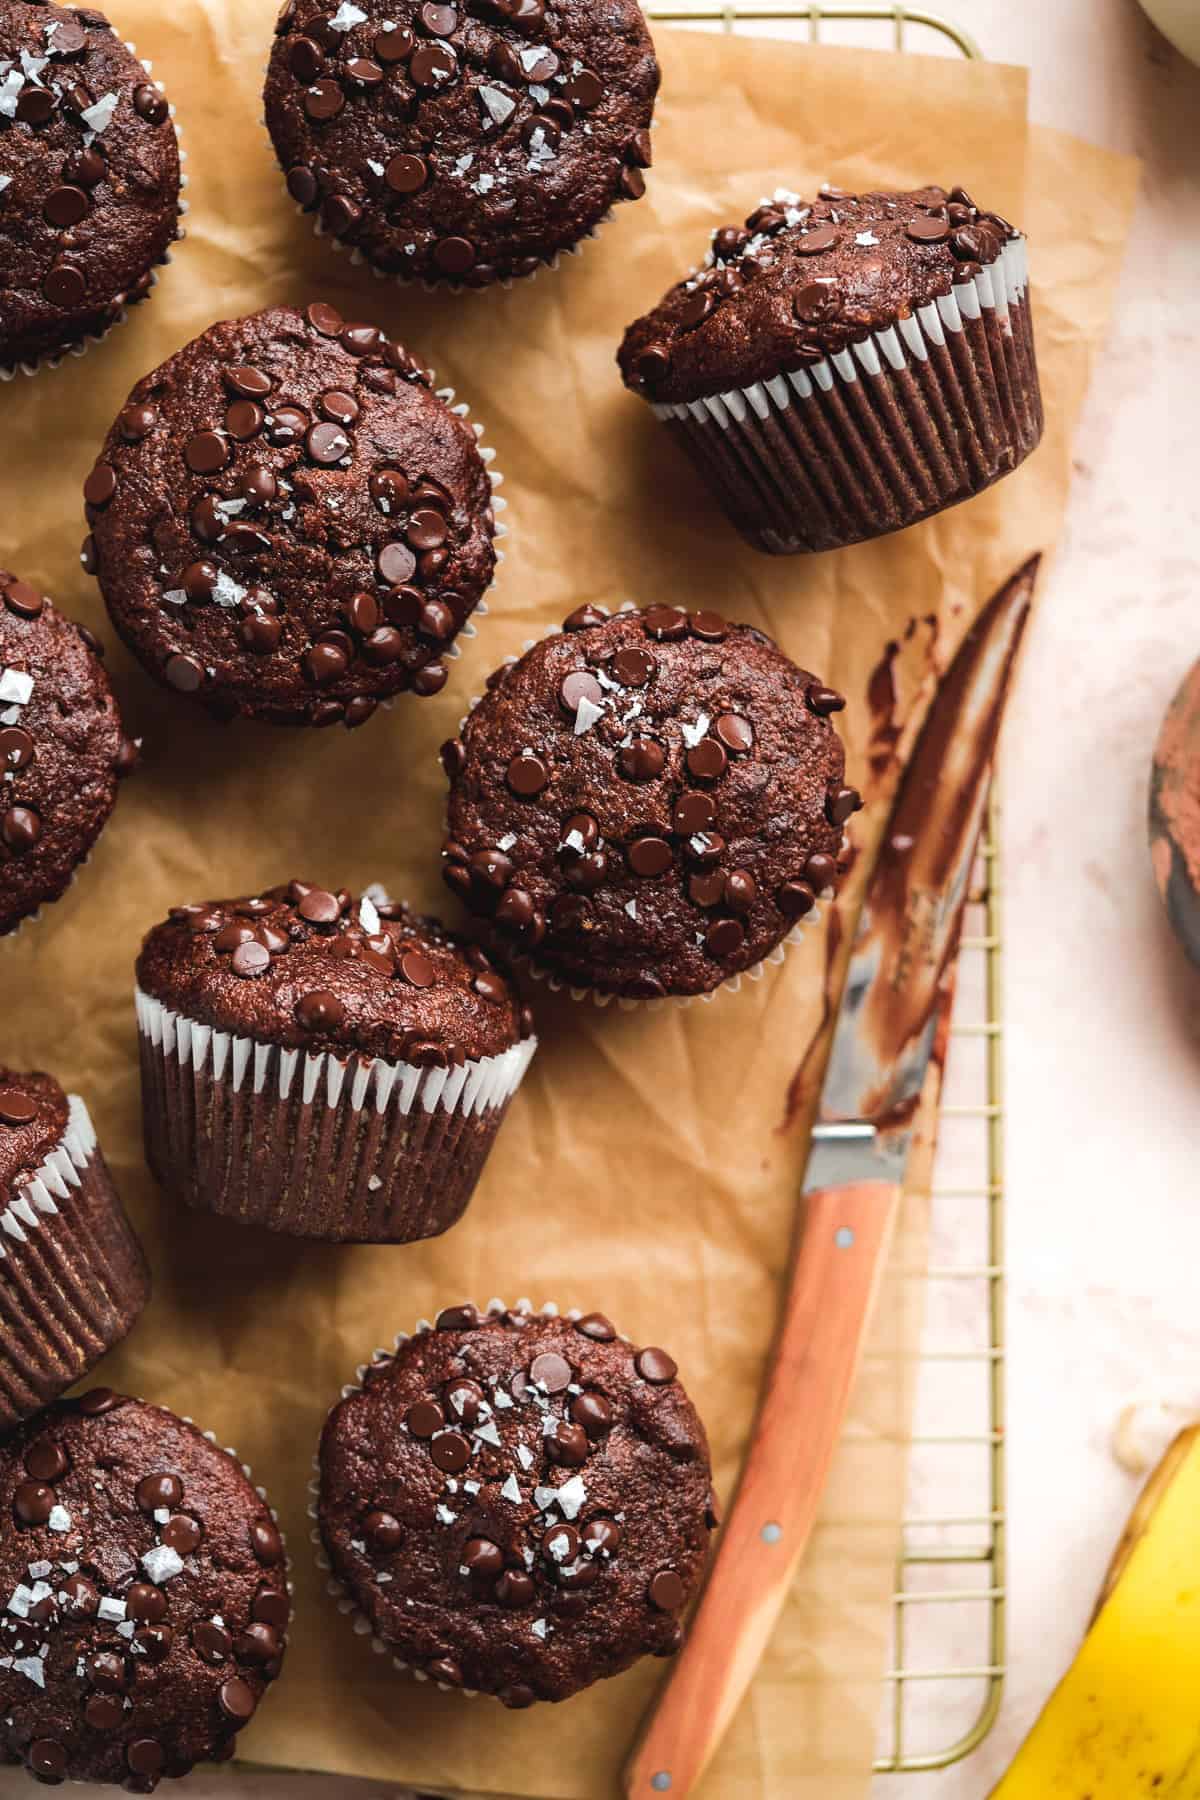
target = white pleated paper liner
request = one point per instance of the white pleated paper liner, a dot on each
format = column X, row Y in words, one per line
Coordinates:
column 487, row 456
column 919, row 415
column 354, row 1149
column 72, row 1275
column 54, row 359
column 337, row 1589
column 557, row 984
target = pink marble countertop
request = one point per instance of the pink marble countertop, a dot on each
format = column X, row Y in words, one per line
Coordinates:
column 1103, row 1013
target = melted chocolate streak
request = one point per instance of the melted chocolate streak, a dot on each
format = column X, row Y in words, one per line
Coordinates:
column 924, row 845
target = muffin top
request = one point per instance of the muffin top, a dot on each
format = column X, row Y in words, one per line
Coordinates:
column 288, row 522
column 801, row 280
column 647, row 802
column 519, row 1503
column 313, row 970
column 33, row 1119
column 457, row 144
column 89, row 177
column 62, row 750
column 146, row 1592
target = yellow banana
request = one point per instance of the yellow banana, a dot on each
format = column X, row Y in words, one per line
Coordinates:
column 1124, row 1722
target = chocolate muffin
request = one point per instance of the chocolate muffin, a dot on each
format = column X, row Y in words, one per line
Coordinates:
column 515, row 1503
column 457, row 144
column 147, row 1595
column 89, row 179
column 62, row 750
column 72, row 1275
column 325, row 1066
column 646, row 804
column 288, row 522
column 844, row 366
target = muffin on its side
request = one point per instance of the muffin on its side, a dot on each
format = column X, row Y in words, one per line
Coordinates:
column 461, row 145
column 288, row 523
column 89, row 179
column 147, row 1595
column 646, row 804
column 516, row 1503
column 72, row 1275
column 62, row 750
column 326, row 1066
column 845, row 366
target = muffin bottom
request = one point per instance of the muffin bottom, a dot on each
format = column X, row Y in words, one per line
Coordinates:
column 73, row 1277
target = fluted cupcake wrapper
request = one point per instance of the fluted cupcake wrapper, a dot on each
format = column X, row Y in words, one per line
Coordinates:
column 72, row 1274
column 349, row 1150
column 337, row 1589
column 917, row 416
column 54, row 359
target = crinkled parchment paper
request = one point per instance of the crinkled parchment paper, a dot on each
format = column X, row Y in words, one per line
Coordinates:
column 650, row 1165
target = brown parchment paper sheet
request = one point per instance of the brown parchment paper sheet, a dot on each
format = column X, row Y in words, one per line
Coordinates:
column 650, row 1165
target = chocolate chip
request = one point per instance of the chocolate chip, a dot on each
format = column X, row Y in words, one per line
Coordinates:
column 439, row 20
column 44, row 1460
column 433, row 66
column 65, row 206
column 666, row 1591
column 183, row 1534
column 811, row 243
column 397, row 564
column 824, row 700
column 594, row 1413
column 324, row 101
column 602, row 1537
column 146, row 1756
column 641, row 759
column 184, row 673
column 652, row 364
column 145, row 1603
column 692, row 813
column 417, row 969
column 481, row 1557
column 550, row 1372
column 261, row 635
column 741, row 890
column 655, row 1365
column 48, row 1759
column 841, row 805
column 250, row 960
column 153, row 1491
column 795, row 899
column 584, row 90
column 16, row 748
column 816, row 301
column 735, row 732
column 33, row 1502
column 696, row 307
column 578, row 686
column 527, row 775
column 514, row 1589
column 363, row 72
column 20, row 828
column 319, row 1010
column 724, row 937
column 709, row 626
column 150, row 105
column 340, row 214
column 383, row 1530
column 100, row 485
column 453, row 255
column 238, row 1699
column 665, row 623
column 326, row 444
column 136, row 422
column 325, row 662
column 631, row 182
column 395, row 45
column 650, row 856
column 205, row 452
column 22, row 599
column 244, row 420
column 266, row 1542
column 17, row 1108
column 451, row 1452
column 104, row 1712
column 633, row 667
column 108, row 1671
column 211, row 1642
column 302, row 185
column 424, row 1417
column 705, row 847
column 707, row 760
column 926, row 228
column 35, row 105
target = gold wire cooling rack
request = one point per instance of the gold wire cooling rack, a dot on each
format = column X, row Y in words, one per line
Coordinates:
column 943, row 1688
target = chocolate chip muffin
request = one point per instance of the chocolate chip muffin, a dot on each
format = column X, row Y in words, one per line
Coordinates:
column 287, row 522
column 326, row 1066
column 147, row 1595
column 72, row 1275
column 844, row 366
column 647, row 804
column 89, row 179
column 62, row 749
column 516, row 1503
column 461, row 144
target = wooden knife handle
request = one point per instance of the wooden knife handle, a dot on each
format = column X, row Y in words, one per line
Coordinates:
column 842, row 1252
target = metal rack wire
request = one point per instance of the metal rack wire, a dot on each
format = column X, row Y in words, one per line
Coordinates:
column 944, row 1683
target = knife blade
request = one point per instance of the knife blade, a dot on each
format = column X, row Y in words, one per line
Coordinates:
column 900, row 976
